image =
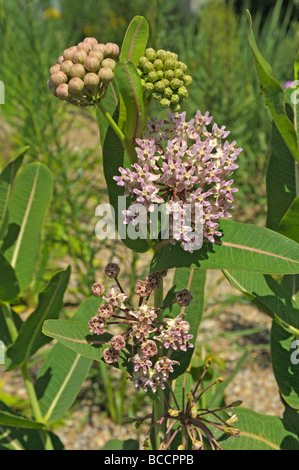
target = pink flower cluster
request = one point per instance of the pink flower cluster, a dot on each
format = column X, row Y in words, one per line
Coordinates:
column 144, row 334
column 184, row 165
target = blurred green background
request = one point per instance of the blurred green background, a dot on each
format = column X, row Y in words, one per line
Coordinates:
column 210, row 36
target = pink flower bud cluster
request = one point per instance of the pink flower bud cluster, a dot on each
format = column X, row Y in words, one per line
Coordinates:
column 144, row 335
column 83, row 72
column 184, row 165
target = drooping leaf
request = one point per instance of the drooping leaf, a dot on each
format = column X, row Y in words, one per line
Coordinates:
column 242, row 246
column 260, row 432
column 76, row 336
column 6, row 182
column 274, row 96
column 58, row 382
column 27, row 205
column 9, row 286
column 10, row 419
column 30, row 337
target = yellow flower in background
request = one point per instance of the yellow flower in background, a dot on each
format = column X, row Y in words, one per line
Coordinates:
column 90, row 29
column 116, row 22
column 52, row 13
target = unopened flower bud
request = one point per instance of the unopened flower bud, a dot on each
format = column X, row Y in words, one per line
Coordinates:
column 92, row 64
column 62, row 91
column 161, row 54
column 112, row 270
column 158, row 64
column 193, row 412
column 169, row 74
column 98, row 54
column 152, row 77
column 175, row 99
column 178, row 73
column 150, row 54
column 187, row 80
column 105, row 74
column 109, row 63
column 77, row 70
column 68, row 53
column 84, row 46
column 176, row 83
column 183, row 92
column 76, row 86
column 169, row 64
column 78, row 57
column 100, row 48
column 147, row 67
column 91, row 80
column 165, row 103
column 181, row 65
column 66, row 66
column 60, row 59
column 112, row 50
column 98, row 289
column 51, row 87
column 167, row 93
column 160, row 86
column 91, row 41
column 149, row 86
column 54, row 69
column 219, row 380
column 208, row 363
column 236, row 403
column 58, row 78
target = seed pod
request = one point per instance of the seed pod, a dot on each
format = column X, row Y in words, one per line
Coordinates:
column 91, row 41
column 77, row 70
column 92, row 64
column 109, row 63
column 106, row 75
column 78, row 57
column 112, row 50
column 66, row 66
column 62, row 91
column 76, row 86
column 54, row 69
column 91, row 81
column 68, row 53
column 150, row 54
column 58, row 78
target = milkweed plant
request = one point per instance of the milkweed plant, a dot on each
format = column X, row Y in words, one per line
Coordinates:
column 172, row 189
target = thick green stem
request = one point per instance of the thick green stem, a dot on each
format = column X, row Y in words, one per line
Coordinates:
column 129, row 149
column 7, row 313
column 158, row 406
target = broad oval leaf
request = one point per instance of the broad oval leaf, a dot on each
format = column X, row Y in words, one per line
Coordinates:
column 28, row 203
column 135, row 40
column 242, row 246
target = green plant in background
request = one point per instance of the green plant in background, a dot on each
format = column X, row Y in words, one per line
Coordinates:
column 246, row 254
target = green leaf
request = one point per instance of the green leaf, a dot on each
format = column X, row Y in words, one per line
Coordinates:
column 30, row 338
column 193, row 280
column 135, row 40
column 285, row 362
column 9, row 286
column 274, row 96
column 6, row 181
column 270, row 296
column 76, row 336
column 131, row 90
column 28, row 203
column 242, row 246
column 113, row 158
column 260, row 432
column 117, row 444
column 58, row 382
column 289, row 225
column 9, row 419
column 5, row 334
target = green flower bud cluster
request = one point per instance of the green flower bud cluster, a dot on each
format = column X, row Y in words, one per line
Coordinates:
column 83, row 72
column 164, row 78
